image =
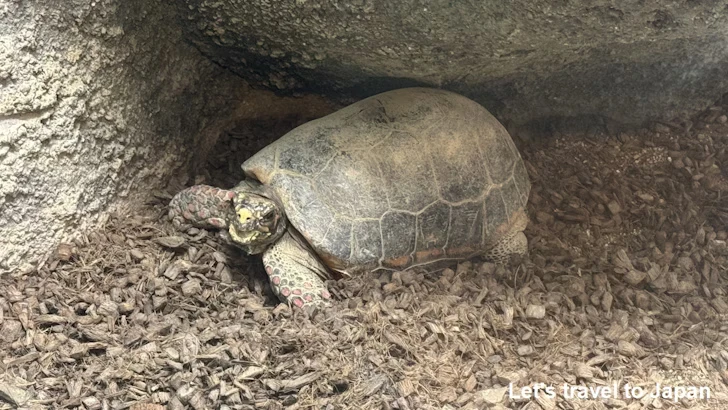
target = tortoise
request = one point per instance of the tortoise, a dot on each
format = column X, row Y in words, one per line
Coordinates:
column 410, row 178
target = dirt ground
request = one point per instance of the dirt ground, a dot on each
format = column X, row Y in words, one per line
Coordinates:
column 625, row 283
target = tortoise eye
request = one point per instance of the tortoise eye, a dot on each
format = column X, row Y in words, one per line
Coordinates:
column 268, row 216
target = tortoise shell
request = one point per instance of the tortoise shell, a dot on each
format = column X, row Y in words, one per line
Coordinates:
column 405, row 178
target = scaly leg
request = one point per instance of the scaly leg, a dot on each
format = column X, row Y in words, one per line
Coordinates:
column 513, row 243
column 296, row 274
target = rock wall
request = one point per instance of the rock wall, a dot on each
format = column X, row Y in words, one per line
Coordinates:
column 99, row 102
column 526, row 60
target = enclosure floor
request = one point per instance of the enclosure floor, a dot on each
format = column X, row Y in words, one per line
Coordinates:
column 626, row 282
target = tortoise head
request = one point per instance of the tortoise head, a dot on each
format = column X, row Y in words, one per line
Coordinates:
column 258, row 222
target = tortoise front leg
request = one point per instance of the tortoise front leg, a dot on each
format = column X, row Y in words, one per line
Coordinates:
column 296, row 275
column 202, row 206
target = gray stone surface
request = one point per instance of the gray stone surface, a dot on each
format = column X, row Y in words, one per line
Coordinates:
column 525, row 60
column 98, row 101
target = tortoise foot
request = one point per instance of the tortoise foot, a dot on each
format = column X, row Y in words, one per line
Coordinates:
column 296, row 275
column 296, row 289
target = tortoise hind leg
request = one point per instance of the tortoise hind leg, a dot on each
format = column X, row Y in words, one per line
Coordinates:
column 514, row 244
column 296, row 275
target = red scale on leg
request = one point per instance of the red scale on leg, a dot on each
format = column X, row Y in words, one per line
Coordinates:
column 297, row 292
column 286, row 292
column 276, row 280
column 298, row 302
column 308, row 297
column 307, row 285
column 325, row 294
column 268, row 270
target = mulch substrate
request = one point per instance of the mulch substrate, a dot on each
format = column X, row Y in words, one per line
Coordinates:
column 625, row 283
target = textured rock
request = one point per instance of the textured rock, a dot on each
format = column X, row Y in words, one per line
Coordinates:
column 524, row 59
column 96, row 101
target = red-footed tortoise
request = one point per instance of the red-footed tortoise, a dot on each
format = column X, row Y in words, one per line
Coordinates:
column 408, row 178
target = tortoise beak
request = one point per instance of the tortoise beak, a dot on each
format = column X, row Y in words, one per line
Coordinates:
column 243, row 239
